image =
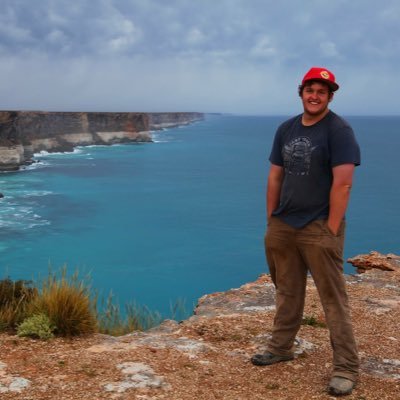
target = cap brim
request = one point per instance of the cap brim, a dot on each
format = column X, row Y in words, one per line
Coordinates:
column 334, row 86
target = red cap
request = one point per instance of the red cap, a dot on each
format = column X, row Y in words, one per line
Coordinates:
column 321, row 74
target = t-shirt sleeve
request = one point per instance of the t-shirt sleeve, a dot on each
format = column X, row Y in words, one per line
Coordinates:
column 276, row 152
column 344, row 148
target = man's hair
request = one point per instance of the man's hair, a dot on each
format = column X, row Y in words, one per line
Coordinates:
column 310, row 82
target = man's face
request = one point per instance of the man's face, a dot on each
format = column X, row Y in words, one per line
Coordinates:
column 315, row 98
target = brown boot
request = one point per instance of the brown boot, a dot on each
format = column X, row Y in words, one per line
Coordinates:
column 268, row 358
column 339, row 386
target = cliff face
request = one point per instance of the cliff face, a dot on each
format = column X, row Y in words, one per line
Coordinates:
column 168, row 120
column 23, row 133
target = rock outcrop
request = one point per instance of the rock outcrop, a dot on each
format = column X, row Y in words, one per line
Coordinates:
column 375, row 260
column 23, row 133
column 207, row 356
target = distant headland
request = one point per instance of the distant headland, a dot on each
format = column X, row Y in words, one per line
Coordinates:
column 24, row 133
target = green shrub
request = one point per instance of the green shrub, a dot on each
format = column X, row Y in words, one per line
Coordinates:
column 37, row 326
column 313, row 321
column 66, row 301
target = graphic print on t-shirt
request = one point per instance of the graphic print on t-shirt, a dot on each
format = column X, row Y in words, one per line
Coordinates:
column 297, row 156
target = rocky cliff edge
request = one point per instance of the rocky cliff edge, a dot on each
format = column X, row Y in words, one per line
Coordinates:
column 23, row 133
column 207, row 356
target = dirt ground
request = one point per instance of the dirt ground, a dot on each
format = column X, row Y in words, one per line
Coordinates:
column 207, row 356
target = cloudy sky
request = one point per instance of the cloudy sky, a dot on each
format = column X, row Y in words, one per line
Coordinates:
column 236, row 56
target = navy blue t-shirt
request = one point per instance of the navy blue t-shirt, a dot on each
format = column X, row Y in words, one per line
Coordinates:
column 308, row 154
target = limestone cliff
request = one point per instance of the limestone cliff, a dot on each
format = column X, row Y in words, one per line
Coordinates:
column 23, row 133
column 169, row 120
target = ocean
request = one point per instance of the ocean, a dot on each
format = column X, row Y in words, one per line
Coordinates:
column 172, row 220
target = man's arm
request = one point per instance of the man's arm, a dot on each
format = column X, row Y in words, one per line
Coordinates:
column 339, row 195
column 274, row 185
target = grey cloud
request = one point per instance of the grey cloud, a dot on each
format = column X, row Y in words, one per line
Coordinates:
column 177, row 28
column 329, row 49
column 223, row 55
column 263, row 48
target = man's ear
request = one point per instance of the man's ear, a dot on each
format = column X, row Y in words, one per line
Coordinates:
column 331, row 97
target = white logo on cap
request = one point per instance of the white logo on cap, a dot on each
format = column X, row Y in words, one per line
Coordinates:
column 324, row 74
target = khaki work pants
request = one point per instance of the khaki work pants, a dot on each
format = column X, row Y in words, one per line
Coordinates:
column 291, row 253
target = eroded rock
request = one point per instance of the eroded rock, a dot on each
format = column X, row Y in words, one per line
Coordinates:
column 10, row 383
column 386, row 368
column 137, row 376
column 375, row 260
column 252, row 297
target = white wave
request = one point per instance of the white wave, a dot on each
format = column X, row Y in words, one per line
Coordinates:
column 161, row 141
column 24, row 168
column 42, row 223
column 16, row 194
column 22, row 220
column 160, row 138
column 35, row 165
column 41, row 153
column 21, row 217
column 44, row 153
column 89, row 146
column 36, row 193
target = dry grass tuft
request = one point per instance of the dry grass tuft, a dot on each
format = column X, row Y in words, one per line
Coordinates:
column 67, row 303
column 14, row 300
column 136, row 318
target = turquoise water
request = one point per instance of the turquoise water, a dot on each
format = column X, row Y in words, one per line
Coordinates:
column 180, row 217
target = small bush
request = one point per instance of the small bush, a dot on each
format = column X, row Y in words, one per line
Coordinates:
column 66, row 301
column 37, row 326
column 313, row 321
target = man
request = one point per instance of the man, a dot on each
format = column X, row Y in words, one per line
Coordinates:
column 312, row 164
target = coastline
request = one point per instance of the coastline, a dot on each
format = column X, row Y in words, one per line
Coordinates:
column 25, row 133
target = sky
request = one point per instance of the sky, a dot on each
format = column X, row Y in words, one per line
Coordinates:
column 228, row 56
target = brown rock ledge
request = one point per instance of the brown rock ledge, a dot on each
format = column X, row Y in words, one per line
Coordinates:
column 207, row 356
column 375, row 260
